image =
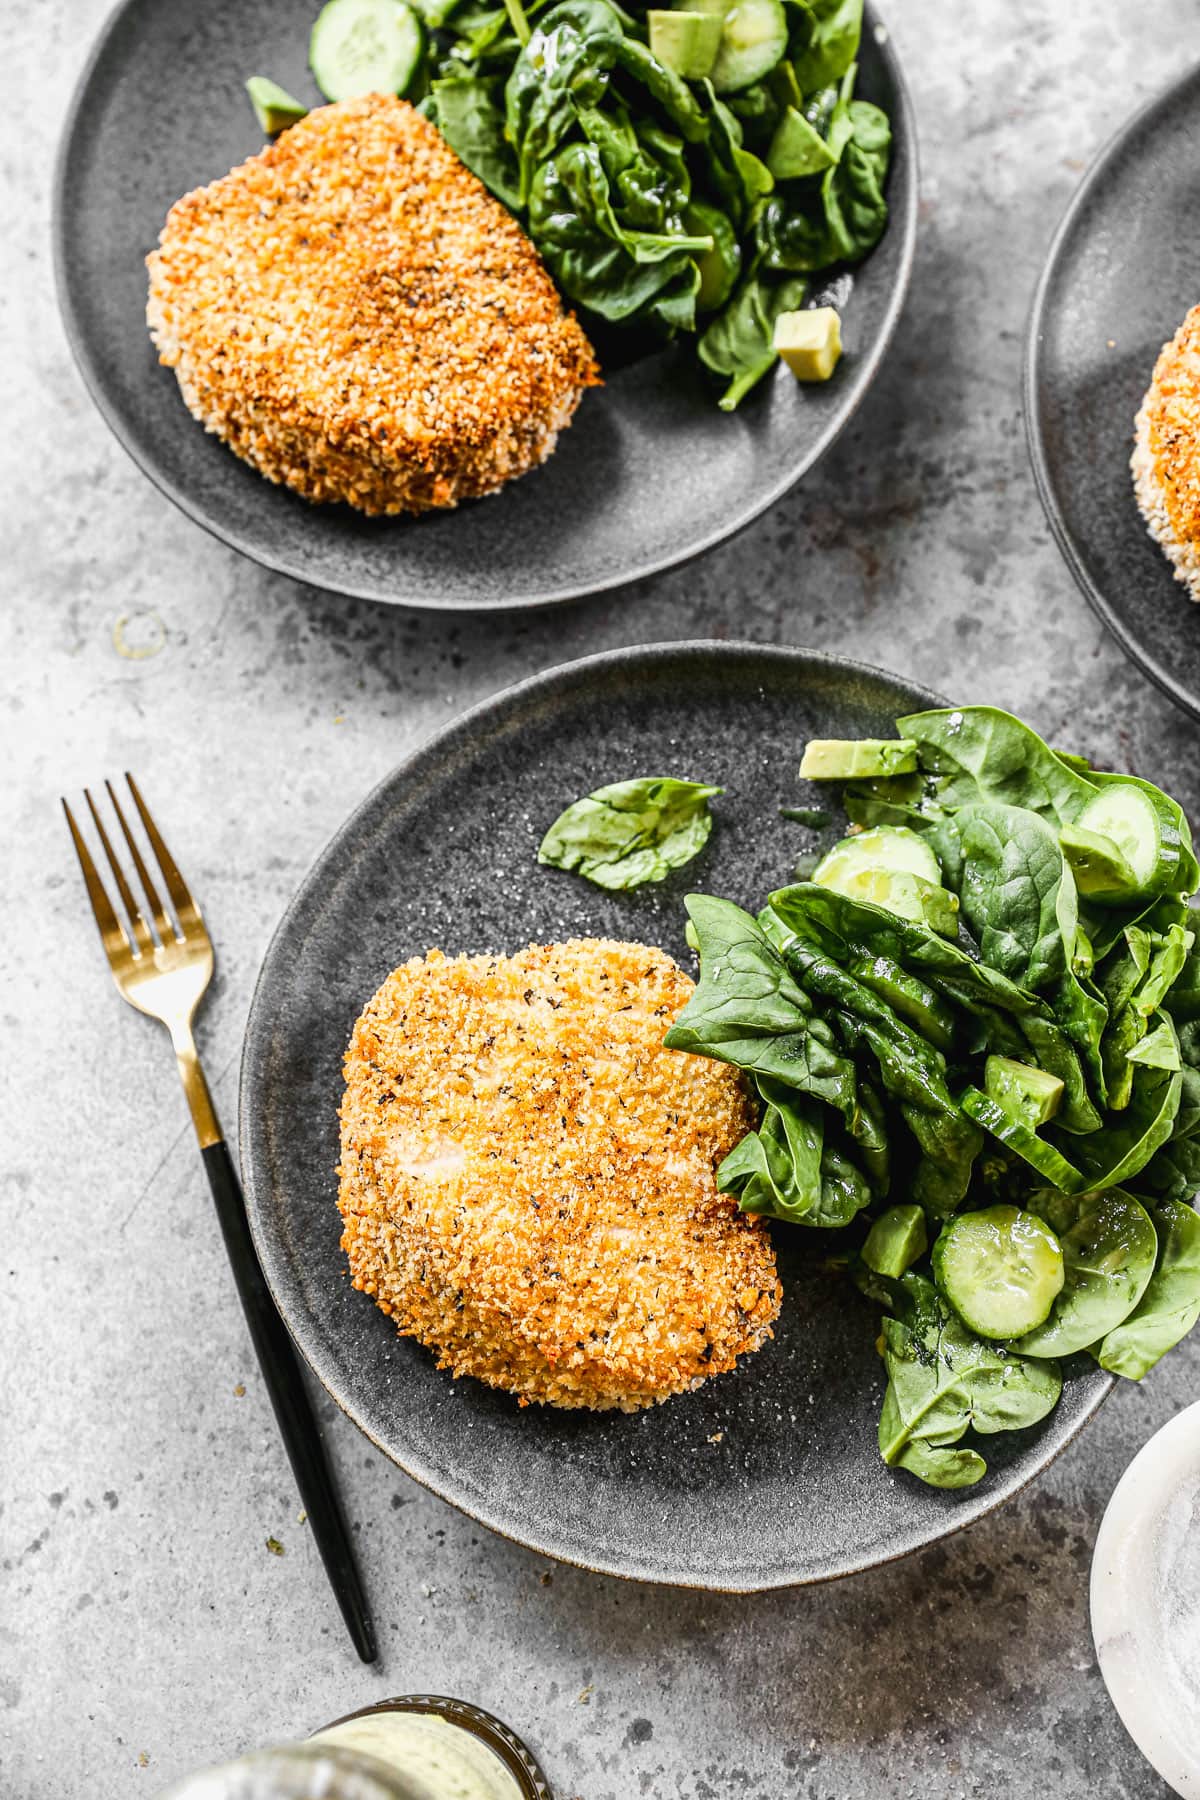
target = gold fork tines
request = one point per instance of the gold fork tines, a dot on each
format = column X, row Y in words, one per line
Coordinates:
column 159, row 964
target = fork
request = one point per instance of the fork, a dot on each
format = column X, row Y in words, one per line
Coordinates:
column 164, row 970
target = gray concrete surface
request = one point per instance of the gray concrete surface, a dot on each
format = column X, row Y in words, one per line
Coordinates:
column 144, row 1628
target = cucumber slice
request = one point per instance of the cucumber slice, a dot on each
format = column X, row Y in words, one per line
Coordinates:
column 1000, row 1269
column 274, row 107
column 754, row 39
column 1023, row 1140
column 1100, row 870
column 889, row 847
column 685, row 41
column 896, row 891
column 364, row 47
column 857, row 759
column 1028, row 1093
column 896, row 1241
column 1144, row 834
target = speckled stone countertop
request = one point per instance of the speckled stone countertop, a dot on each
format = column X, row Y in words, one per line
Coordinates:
column 144, row 1627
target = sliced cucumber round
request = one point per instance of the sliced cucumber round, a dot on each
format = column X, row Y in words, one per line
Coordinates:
column 1000, row 1269
column 754, row 39
column 891, row 847
column 364, row 47
column 1145, row 838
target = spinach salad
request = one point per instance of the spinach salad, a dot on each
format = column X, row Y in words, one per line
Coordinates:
column 685, row 171
column 974, row 1032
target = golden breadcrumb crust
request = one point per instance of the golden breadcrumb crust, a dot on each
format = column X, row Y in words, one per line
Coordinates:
column 527, row 1179
column 1166, row 457
column 355, row 316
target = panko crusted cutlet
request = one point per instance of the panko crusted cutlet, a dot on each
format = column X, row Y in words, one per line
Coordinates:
column 357, row 318
column 527, row 1177
column 1166, row 457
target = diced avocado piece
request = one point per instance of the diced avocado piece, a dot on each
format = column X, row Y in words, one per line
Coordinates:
column 685, row 41
column 1097, row 864
column 273, row 106
column 797, row 148
column 883, row 847
column 896, row 1240
column 1025, row 1092
column 857, row 759
column 810, row 342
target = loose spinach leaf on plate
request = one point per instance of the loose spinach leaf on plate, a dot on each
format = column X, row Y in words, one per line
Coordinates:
column 944, row 1381
column 631, row 831
column 1170, row 1306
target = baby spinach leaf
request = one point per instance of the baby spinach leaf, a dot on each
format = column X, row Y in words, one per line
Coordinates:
column 1170, row 1305
column 736, row 176
column 789, row 1169
column 984, row 754
column 824, row 41
column 1166, row 965
column 911, row 1070
column 631, row 831
column 944, row 1381
column 470, row 116
column 844, row 927
column 748, row 1011
column 1158, row 1050
column 798, row 233
column 1019, row 899
column 1127, row 1140
column 1109, row 1248
column 739, row 342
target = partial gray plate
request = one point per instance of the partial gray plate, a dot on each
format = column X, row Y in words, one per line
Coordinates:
column 1123, row 271
column 764, row 1478
column 650, row 473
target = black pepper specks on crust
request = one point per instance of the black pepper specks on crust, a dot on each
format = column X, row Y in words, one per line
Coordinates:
column 527, row 1177
column 355, row 316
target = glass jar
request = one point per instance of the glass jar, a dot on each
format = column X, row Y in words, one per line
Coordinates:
column 418, row 1747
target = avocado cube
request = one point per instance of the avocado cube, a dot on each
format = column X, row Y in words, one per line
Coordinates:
column 896, row 1240
column 1097, row 863
column 857, row 759
column 810, row 342
column 273, row 106
column 686, row 42
column 1024, row 1092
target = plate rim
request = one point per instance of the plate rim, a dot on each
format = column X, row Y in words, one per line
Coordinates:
column 902, row 220
column 257, row 1028
column 1031, row 386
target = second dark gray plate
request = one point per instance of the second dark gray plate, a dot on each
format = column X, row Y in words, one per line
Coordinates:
column 649, row 474
column 1123, row 270
column 763, row 1478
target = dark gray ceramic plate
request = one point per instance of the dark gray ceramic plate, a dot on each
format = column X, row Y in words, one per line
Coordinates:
column 650, row 473
column 764, row 1478
column 1123, row 270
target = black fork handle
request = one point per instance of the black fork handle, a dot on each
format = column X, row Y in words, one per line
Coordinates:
column 293, row 1413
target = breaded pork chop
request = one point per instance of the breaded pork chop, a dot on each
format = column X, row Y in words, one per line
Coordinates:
column 527, row 1176
column 354, row 315
column 1166, row 457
